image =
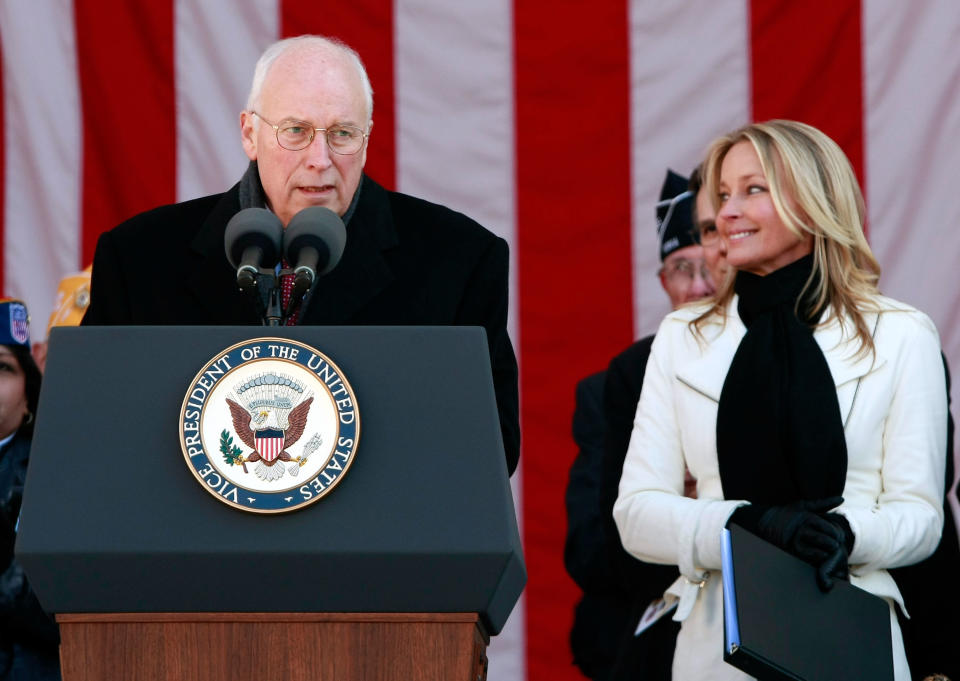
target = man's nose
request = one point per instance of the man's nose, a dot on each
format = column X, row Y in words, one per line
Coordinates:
column 318, row 153
column 702, row 285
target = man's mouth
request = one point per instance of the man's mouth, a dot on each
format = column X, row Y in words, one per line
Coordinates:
column 316, row 189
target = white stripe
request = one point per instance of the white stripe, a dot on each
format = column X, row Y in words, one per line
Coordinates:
column 454, row 117
column 689, row 82
column 912, row 112
column 217, row 43
column 455, row 146
column 42, row 192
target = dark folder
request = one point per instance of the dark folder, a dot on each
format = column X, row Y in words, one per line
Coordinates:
column 778, row 625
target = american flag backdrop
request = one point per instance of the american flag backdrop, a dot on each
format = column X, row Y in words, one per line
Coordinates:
column 551, row 123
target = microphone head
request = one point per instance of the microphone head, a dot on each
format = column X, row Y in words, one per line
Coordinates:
column 255, row 227
column 318, row 228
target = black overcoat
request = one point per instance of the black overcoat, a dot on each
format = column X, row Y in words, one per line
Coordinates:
column 406, row 262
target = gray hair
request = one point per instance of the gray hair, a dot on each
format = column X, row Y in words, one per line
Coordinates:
column 278, row 48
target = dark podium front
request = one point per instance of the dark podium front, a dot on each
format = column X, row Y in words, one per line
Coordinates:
column 400, row 572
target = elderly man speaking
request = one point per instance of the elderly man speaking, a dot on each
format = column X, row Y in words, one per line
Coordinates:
column 406, row 261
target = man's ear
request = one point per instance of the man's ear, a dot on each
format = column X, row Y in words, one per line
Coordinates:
column 248, row 135
column 363, row 158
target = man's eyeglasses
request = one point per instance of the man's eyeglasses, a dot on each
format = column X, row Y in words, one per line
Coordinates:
column 686, row 270
column 296, row 135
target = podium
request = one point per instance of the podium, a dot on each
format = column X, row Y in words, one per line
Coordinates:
column 400, row 572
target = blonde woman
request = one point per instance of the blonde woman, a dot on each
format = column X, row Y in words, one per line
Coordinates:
column 809, row 408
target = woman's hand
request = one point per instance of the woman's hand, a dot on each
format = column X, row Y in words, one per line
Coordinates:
column 806, row 530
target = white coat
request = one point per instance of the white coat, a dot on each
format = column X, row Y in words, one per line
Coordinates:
column 894, row 410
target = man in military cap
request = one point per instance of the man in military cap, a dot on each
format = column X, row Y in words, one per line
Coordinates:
column 683, row 273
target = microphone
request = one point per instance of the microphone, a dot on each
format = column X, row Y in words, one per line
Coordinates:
column 252, row 243
column 313, row 243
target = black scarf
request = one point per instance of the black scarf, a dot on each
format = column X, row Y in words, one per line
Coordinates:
column 779, row 432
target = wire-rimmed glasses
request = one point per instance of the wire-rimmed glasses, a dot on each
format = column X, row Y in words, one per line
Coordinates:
column 685, row 270
column 295, row 135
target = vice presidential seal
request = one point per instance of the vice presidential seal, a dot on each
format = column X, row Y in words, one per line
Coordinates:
column 269, row 425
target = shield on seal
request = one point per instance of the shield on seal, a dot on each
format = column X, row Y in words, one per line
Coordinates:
column 269, row 443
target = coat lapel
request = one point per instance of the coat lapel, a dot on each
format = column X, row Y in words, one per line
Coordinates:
column 209, row 279
column 847, row 366
column 363, row 271
column 707, row 372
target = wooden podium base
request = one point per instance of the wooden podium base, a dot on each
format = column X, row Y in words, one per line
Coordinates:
column 258, row 646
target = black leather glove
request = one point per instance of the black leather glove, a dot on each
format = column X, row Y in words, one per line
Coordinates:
column 836, row 565
column 807, row 531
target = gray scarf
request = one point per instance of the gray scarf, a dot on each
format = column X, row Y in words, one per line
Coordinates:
column 253, row 196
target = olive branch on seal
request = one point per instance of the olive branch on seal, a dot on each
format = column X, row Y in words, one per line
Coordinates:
column 231, row 453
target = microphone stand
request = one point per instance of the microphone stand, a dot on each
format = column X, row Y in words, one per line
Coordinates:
column 301, row 285
column 269, row 301
column 265, row 294
column 274, row 313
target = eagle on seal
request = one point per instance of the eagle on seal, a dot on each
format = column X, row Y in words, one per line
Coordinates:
column 296, row 422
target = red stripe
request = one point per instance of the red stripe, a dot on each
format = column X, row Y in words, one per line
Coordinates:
column 3, row 177
column 808, row 66
column 125, row 63
column 573, row 253
column 367, row 27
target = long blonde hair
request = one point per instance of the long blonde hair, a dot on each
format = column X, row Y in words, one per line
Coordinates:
column 814, row 191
